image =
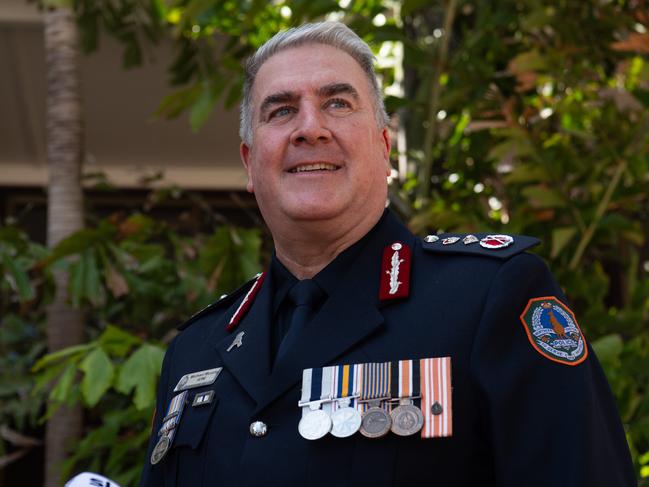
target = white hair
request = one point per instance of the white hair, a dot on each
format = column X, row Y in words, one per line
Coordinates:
column 333, row 34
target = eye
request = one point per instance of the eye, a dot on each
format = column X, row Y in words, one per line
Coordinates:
column 281, row 112
column 338, row 103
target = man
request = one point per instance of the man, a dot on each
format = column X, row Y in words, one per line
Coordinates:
column 460, row 352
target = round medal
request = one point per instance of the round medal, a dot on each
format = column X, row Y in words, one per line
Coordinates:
column 346, row 421
column 160, row 450
column 407, row 420
column 375, row 423
column 314, row 425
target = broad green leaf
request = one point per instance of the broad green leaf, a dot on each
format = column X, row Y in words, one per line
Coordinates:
column 76, row 281
column 202, row 108
column 20, row 280
column 61, row 391
column 140, row 373
column 608, row 348
column 560, row 238
column 79, row 241
column 99, row 371
column 117, row 342
column 92, row 287
column 74, row 352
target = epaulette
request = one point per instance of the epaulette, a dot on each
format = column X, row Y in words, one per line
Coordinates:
column 486, row 244
column 223, row 301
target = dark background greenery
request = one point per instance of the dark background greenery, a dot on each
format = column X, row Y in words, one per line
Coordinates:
column 524, row 116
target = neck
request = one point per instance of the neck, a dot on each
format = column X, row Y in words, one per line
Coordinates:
column 307, row 247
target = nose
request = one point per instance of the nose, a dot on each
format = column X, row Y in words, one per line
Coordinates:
column 310, row 126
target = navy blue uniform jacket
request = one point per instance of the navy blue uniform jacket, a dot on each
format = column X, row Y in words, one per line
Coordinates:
column 519, row 419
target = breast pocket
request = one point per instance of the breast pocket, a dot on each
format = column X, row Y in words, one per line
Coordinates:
column 185, row 465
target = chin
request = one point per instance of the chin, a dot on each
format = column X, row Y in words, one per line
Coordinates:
column 314, row 210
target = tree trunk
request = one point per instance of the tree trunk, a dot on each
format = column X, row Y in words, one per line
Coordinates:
column 64, row 210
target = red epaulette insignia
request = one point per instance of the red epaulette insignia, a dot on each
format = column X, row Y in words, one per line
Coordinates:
column 245, row 304
column 395, row 272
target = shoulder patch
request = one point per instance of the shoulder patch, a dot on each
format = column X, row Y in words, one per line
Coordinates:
column 498, row 246
column 553, row 331
column 223, row 301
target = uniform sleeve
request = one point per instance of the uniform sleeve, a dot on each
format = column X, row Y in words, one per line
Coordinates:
column 152, row 475
column 549, row 422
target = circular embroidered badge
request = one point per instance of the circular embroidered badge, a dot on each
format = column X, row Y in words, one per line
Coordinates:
column 553, row 330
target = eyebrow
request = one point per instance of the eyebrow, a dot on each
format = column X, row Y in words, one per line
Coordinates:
column 277, row 98
column 334, row 89
column 331, row 89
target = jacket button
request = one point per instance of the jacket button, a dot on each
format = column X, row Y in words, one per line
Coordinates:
column 258, row 429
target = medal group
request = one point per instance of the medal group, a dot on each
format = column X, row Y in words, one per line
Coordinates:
column 405, row 397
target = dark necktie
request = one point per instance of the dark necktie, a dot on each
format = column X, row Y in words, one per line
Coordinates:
column 306, row 295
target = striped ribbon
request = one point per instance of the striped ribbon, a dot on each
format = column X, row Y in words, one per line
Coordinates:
column 317, row 384
column 405, row 380
column 375, row 383
column 436, row 388
column 346, row 383
column 172, row 418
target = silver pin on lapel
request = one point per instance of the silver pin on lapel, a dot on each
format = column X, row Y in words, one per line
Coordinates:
column 237, row 342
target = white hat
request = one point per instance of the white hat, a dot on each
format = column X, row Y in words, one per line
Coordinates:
column 89, row 479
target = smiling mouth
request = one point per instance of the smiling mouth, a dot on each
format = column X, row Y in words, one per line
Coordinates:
column 320, row 166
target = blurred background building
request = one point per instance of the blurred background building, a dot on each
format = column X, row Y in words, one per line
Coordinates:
column 126, row 145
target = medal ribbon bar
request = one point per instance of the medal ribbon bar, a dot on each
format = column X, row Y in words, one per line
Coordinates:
column 436, row 397
column 174, row 412
column 375, row 383
column 405, row 380
column 346, row 384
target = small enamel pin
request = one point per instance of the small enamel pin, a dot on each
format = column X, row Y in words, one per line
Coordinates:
column 450, row 240
column 496, row 241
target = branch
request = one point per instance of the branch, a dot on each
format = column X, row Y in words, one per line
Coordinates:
column 433, row 106
column 599, row 213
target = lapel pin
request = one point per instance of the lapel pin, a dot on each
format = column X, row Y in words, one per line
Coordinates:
column 237, row 342
column 469, row 239
column 450, row 240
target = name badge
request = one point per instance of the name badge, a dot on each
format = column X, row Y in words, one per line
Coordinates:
column 198, row 379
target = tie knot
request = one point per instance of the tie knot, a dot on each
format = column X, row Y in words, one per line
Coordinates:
column 306, row 293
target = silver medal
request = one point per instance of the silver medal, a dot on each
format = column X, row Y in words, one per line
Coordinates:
column 160, row 449
column 314, row 425
column 375, row 423
column 345, row 422
column 407, row 420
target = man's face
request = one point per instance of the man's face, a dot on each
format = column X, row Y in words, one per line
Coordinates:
column 317, row 151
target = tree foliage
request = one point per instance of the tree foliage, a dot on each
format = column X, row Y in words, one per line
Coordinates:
column 519, row 116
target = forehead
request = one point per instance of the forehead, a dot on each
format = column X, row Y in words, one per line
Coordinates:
column 306, row 68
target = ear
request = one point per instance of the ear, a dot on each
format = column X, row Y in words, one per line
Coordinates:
column 386, row 146
column 244, row 153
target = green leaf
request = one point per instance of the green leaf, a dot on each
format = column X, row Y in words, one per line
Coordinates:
column 117, row 342
column 80, row 241
column 61, row 391
column 202, row 108
column 608, row 348
column 20, row 279
column 92, row 288
column 560, row 238
column 140, row 373
column 73, row 352
column 99, row 371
